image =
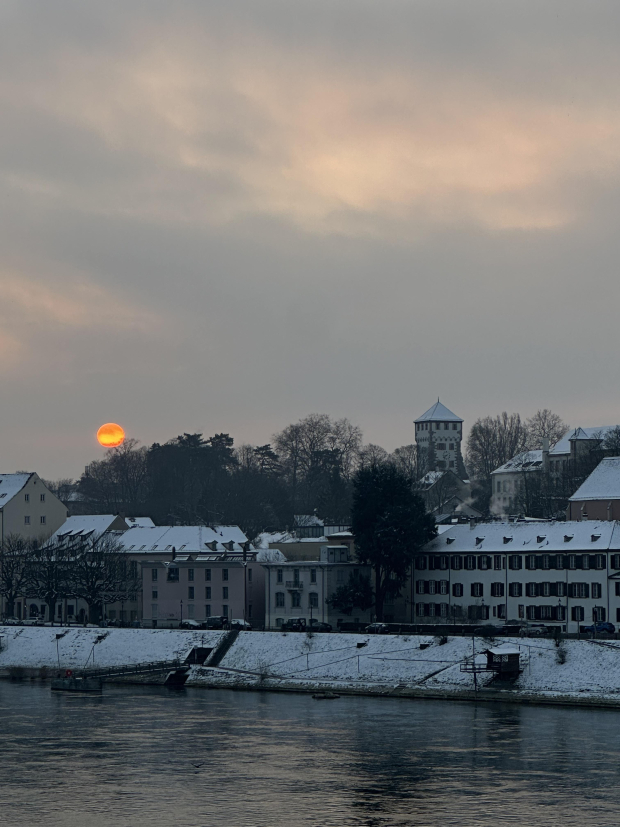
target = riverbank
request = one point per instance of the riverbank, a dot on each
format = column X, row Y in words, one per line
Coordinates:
column 578, row 672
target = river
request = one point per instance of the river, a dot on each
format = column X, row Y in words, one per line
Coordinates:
column 199, row 758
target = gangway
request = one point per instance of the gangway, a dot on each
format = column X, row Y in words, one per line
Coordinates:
column 91, row 680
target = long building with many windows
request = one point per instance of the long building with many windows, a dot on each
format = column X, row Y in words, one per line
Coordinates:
column 560, row 573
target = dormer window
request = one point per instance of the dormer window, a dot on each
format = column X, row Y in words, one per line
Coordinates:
column 541, row 538
column 450, row 540
column 479, row 540
column 568, row 538
column 507, row 540
column 595, row 537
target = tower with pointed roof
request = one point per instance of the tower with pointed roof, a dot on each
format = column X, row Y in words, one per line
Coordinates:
column 438, row 436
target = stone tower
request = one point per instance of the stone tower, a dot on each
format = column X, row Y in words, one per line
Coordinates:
column 438, row 436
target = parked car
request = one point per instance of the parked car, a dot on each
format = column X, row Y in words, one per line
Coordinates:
column 215, row 622
column 319, row 626
column 32, row 621
column 11, row 621
column 190, row 624
column 535, row 630
column 602, row 626
column 489, row 630
column 239, row 623
column 377, row 629
column 294, row 624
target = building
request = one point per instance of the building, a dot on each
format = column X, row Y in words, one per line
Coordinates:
column 598, row 498
column 561, row 573
column 438, row 436
column 300, row 589
column 577, row 451
column 28, row 507
column 198, row 586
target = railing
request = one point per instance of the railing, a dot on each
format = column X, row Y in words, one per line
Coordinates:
column 294, row 584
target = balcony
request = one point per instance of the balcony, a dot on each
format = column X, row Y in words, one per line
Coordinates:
column 294, row 584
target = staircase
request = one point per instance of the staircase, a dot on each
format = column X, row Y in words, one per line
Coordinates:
column 220, row 651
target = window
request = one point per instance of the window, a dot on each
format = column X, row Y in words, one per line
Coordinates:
column 546, row 561
column 190, row 610
column 190, row 575
column 207, row 592
column 249, row 575
column 154, row 594
column 572, row 561
column 173, row 574
column 457, row 590
column 497, row 562
column 296, row 600
column 521, row 611
column 431, row 587
column 443, row 562
column 279, row 600
column 224, row 574
column 154, row 611
column 477, row 589
column 296, row 575
column 599, row 614
column 515, row 562
column 617, row 588
column 250, row 611
column 530, row 562
column 531, row 589
column 207, row 574
column 441, row 446
column 313, row 601
column 560, row 562
column 420, row 587
column 42, row 520
column 224, row 592
column 27, row 497
column 484, row 562
column 42, row 498
column 560, row 588
column 596, row 591
column 600, row 561
column 279, row 575
column 26, row 520
column 470, row 562
column 497, row 589
column 443, row 587
column 313, row 575
column 420, row 563
column 154, row 575
column 224, row 611
column 577, row 613
column 578, row 590
column 190, row 593
column 456, row 562
column 454, row 427
column 452, row 446
column 530, row 612
column 585, row 561
column 515, row 589
column 546, row 612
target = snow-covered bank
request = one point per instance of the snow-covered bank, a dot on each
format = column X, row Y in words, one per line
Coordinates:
column 580, row 671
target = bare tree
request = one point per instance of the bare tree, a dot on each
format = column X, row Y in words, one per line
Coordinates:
column 611, row 443
column 48, row 574
column 493, row 441
column 407, row 460
column 120, row 481
column 372, row 455
column 14, row 555
column 543, row 424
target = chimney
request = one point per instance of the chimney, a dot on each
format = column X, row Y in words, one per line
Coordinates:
column 174, row 553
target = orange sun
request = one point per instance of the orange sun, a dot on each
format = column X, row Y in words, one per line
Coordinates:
column 110, row 435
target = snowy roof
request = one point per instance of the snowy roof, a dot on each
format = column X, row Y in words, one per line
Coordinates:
column 525, row 461
column 85, row 524
column 563, row 446
column 504, row 650
column 438, row 413
column 10, row 485
column 527, row 538
column 431, row 477
column 602, row 484
column 141, row 522
column 181, row 537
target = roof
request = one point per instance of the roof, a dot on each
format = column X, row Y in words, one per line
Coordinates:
column 527, row 538
column 504, row 650
column 142, row 522
column 438, row 413
column 602, row 484
column 525, row 461
column 10, row 485
column 85, row 524
column 563, row 445
column 181, row 537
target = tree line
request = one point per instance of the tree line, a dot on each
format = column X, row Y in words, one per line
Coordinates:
column 95, row 570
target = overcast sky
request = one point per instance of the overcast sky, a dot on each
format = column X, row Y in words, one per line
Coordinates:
column 225, row 216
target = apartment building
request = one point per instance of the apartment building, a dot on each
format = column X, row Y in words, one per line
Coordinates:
column 28, row 507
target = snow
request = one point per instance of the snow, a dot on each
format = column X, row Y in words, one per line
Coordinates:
column 602, row 484
column 438, row 413
column 527, row 460
column 87, row 523
column 10, row 485
column 524, row 537
column 563, row 446
column 183, row 538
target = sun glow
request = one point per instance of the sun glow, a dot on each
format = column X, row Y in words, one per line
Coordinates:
column 110, row 435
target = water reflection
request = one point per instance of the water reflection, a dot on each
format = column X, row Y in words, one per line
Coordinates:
column 143, row 756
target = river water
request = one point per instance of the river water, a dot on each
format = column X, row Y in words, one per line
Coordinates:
column 217, row 758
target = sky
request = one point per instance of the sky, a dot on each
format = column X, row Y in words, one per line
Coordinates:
column 221, row 217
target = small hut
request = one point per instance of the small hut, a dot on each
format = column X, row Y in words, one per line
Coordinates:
column 504, row 661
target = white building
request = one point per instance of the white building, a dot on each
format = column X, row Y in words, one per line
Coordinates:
column 563, row 573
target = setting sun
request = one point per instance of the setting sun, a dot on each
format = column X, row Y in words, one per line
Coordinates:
column 110, row 435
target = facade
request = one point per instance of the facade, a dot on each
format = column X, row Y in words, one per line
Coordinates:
column 599, row 496
column 28, row 507
column 300, row 589
column 195, row 587
column 562, row 573
column 438, row 436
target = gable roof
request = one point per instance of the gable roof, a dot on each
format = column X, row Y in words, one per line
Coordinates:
column 10, row 485
column 563, row 445
column 525, row 461
column 602, row 484
column 182, row 537
column 85, row 524
column 438, row 413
